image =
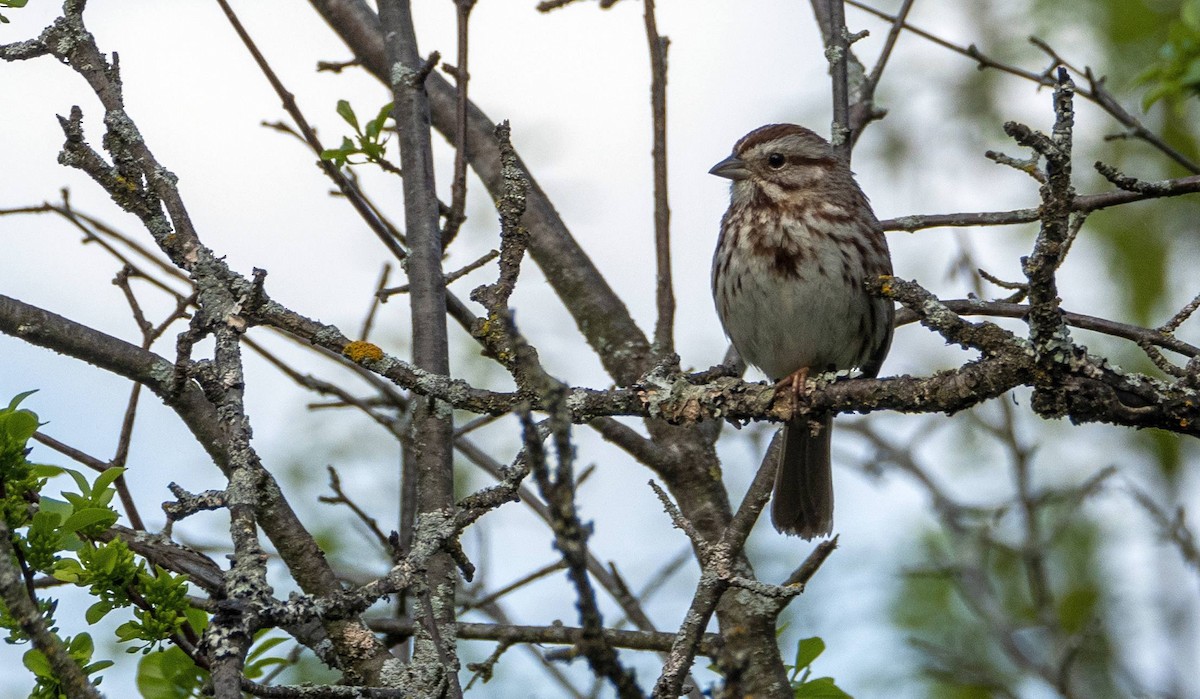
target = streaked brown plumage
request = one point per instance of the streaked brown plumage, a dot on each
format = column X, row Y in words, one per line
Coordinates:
column 797, row 243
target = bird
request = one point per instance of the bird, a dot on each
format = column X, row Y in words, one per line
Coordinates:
column 796, row 246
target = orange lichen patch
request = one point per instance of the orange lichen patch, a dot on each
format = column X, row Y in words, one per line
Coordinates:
column 361, row 350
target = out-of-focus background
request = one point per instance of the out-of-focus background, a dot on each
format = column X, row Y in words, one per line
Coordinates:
column 574, row 83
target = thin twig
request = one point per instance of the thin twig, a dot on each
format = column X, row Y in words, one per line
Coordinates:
column 369, row 321
column 348, row 189
column 384, row 293
column 558, row 489
column 718, row 564
column 664, row 328
column 458, row 188
column 837, row 45
column 1096, row 93
column 340, row 498
column 515, row 585
column 1081, row 204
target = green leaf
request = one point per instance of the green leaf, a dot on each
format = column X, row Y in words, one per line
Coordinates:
column 81, row 647
column 68, row 570
column 45, row 520
column 127, row 632
column 103, row 497
column 19, row 426
column 1189, row 14
column 89, row 517
column 45, row 471
column 264, row 646
column 197, row 619
column 375, row 126
column 105, row 559
column 81, row 482
column 12, row 404
column 347, row 112
column 59, row 507
column 97, row 611
column 106, row 478
column 820, row 688
column 37, row 663
column 168, row 675
column 97, row 667
column 808, row 650
column 373, row 151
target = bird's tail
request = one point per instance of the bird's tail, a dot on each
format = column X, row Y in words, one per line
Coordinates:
column 803, row 501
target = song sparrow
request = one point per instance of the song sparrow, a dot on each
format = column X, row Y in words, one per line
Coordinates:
column 796, row 244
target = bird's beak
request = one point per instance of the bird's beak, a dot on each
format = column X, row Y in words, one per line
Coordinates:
column 733, row 168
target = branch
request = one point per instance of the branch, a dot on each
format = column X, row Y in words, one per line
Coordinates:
column 837, row 46
column 1047, row 330
column 1097, row 92
column 556, row 635
column 1173, row 407
column 435, row 659
column 600, row 315
column 458, row 189
column 570, row 536
column 719, row 565
column 1080, row 204
column 664, row 342
column 387, row 235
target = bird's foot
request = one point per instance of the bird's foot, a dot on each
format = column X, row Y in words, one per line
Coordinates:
column 797, row 385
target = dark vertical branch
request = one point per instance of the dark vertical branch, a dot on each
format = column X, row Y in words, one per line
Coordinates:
column 122, row 455
column 458, row 188
column 889, row 45
column 862, row 108
column 435, row 660
column 598, row 312
column 664, row 341
column 717, row 562
column 837, row 46
column 570, row 537
column 1047, row 327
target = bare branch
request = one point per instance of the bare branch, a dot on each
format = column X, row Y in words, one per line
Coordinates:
column 1080, row 204
column 570, row 537
column 458, row 189
column 600, row 315
column 390, row 238
column 664, row 328
column 837, row 45
column 1096, row 93
column 432, row 424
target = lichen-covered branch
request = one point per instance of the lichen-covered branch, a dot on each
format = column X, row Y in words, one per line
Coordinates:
column 435, row 654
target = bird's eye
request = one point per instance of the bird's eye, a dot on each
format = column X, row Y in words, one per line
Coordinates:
column 776, row 160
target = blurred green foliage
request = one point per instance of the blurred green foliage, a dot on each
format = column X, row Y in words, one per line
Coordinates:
column 969, row 601
column 973, row 609
column 1175, row 74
